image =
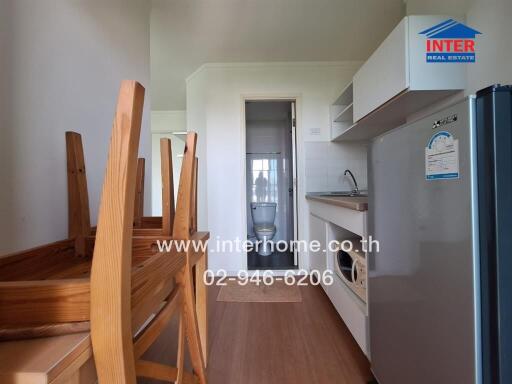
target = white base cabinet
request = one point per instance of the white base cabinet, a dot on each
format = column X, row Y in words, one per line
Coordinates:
column 317, row 258
column 352, row 313
column 323, row 219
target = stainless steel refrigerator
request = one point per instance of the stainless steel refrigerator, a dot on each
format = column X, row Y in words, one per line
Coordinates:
column 441, row 206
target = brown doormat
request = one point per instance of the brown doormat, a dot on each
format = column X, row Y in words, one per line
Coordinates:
column 278, row 292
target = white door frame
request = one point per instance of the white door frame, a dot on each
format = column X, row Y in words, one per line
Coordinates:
column 299, row 187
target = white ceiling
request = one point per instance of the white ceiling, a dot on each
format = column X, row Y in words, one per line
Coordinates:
column 188, row 33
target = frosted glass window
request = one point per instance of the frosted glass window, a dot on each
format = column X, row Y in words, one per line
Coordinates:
column 264, row 186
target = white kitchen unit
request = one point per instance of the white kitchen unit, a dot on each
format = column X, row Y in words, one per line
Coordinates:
column 330, row 220
column 396, row 81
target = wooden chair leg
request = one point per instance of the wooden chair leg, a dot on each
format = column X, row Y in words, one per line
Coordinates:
column 79, row 222
column 191, row 327
column 202, row 305
column 180, row 364
column 168, row 209
column 150, row 334
column 139, row 194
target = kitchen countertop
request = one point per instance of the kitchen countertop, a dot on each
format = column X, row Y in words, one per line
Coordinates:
column 357, row 203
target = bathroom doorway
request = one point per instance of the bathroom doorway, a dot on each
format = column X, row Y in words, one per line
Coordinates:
column 271, row 183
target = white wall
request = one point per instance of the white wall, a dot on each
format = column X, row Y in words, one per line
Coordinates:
column 162, row 124
column 494, row 46
column 455, row 8
column 215, row 109
column 196, row 121
column 6, row 162
column 65, row 63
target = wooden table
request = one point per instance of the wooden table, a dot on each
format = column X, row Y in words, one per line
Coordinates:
column 55, row 360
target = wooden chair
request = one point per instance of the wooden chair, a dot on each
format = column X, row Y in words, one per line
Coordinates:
column 117, row 354
column 147, row 230
column 126, row 286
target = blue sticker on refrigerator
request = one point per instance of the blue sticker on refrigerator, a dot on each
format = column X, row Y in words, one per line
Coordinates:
column 442, row 157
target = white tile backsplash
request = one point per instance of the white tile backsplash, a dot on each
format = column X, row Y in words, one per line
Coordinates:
column 326, row 162
column 316, row 150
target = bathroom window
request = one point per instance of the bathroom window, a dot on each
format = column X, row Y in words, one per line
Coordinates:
column 264, row 180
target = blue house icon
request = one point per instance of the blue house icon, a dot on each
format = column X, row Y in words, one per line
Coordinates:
column 450, row 29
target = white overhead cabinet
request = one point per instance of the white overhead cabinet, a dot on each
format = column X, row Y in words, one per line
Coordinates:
column 384, row 75
column 396, row 81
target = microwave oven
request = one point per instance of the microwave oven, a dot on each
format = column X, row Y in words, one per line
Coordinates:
column 350, row 266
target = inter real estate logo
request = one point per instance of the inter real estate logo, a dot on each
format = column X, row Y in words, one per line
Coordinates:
column 450, row 42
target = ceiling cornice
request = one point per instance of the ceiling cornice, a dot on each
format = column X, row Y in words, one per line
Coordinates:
column 348, row 64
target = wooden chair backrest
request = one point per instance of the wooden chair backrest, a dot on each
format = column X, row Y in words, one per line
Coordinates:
column 111, row 328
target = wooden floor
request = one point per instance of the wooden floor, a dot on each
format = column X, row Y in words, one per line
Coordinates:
column 271, row 343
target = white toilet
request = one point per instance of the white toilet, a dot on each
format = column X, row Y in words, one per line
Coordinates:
column 263, row 216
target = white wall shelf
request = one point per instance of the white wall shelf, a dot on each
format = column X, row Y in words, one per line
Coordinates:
column 346, row 115
column 342, row 136
column 342, row 112
column 345, row 98
column 392, row 114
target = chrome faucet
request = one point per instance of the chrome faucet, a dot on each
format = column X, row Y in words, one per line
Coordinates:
column 355, row 191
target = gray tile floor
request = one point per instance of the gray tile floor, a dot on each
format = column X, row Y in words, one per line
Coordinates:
column 277, row 260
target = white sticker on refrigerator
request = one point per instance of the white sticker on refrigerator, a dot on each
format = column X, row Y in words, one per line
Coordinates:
column 442, row 157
